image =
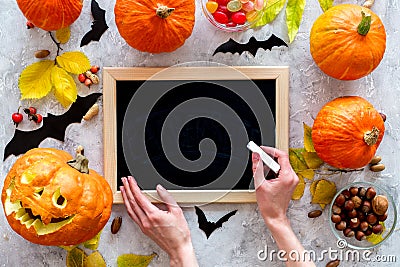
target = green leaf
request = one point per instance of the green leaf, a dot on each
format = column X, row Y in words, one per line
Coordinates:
column 132, row 260
column 74, row 62
column 294, row 14
column 95, row 260
column 297, row 160
column 271, row 11
column 325, row 4
column 35, row 81
column 76, row 258
column 308, row 143
column 312, row 160
column 64, row 86
column 93, row 243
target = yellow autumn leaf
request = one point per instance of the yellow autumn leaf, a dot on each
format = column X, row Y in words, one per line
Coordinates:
column 309, row 174
column 75, row 258
column 94, row 260
column 324, row 192
column 63, row 34
column 294, row 14
column 271, row 11
column 132, row 260
column 313, row 186
column 35, row 79
column 93, row 243
column 64, row 86
column 376, row 238
column 299, row 190
column 308, row 143
column 325, row 4
column 74, row 62
column 68, row 248
column 312, row 160
column 297, row 160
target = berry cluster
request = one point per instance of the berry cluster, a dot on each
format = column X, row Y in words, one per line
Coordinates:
column 17, row 117
column 89, row 77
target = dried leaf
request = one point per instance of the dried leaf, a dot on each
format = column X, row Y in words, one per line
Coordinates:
column 35, row 81
column 308, row 143
column 294, row 14
column 309, row 174
column 325, row 4
column 313, row 186
column 74, row 62
column 297, row 160
column 299, row 190
column 63, row 34
column 95, row 260
column 64, row 86
column 271, row 11
column 93, row 243
column 312, row 160
column 76, row 258
column 324, row 192
column 132, row 260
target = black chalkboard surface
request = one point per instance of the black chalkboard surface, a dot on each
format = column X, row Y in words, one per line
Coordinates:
column 208, row 118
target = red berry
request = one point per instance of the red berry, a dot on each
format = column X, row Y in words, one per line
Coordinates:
column 17, row 118
column 220, row 17
column 32, row 110
column 37, row 118
column 94, row 69
column 239, row 18
column 82, row 77
column 88, row 82
column 29, row 25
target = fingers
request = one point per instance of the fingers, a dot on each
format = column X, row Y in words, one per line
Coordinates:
column 128, row 206
column 131, row 201
column 140, row 198
column 283, row 159
column 167, row 198
column 258, row 170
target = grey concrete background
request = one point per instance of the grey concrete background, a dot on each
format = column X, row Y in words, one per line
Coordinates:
column 239, row 240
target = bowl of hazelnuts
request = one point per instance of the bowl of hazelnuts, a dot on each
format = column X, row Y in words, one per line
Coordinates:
column 363, row 214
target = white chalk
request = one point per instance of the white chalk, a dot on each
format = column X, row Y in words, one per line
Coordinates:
column 270, row 162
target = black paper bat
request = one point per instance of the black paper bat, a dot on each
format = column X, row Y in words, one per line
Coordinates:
column 209, row 227
column 53, row 126
column 251, row 46
column 99, row 25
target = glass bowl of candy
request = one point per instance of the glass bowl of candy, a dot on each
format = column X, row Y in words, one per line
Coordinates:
column 233, row 15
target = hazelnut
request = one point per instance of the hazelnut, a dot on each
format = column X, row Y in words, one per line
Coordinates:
column 362, row 191
column 366, row 206
column 341, row 225
column 116, row 224
column 361, row 215
column 371, row 193
column 353, row 191
column 340, row 199
column 364, row 226
column 383, row 217
column 368, row 232
column 375, row 160
column 336, row 209
column 346, row 193
column 352, row 213
column 348, row 205
column 357, row 201
column 371, row 219
column 314, row 213
column 380, row 204
column 336, row 218
column 377, row 167
column 377, row 229
column 360, row 235
column 354, row 223
column 348, row 232
column 333, row 263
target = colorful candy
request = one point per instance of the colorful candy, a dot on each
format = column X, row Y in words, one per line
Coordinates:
column 239, row 18
column 221, row 17
column 212, row 6
column 234, row 5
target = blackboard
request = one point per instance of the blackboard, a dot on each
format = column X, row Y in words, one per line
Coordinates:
column 198, row 152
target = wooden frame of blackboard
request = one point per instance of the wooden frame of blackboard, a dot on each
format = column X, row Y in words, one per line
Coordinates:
column 113, row 74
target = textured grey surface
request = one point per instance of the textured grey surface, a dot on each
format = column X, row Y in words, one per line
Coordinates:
column 239, row 240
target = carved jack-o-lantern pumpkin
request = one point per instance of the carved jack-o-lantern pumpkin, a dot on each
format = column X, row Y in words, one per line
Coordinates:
column 49, row 202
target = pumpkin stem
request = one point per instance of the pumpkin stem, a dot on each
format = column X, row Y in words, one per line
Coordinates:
column 163, row 11
column 371, row 137
column 80, row 162
column 365, row 24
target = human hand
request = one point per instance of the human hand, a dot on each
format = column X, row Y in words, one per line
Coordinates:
column 273, row 195
column 168, row 228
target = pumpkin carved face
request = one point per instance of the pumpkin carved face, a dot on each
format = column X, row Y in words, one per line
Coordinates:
column 51, row 15
column 48, row 202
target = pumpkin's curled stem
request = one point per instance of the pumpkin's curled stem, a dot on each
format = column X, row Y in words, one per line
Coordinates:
column 365, row 24
column 57, row 44
column 164, row 11
column 80, row 163
column 371, row 137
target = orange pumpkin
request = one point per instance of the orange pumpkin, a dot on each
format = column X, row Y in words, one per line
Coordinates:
column 48, row 202
column 51, row 15
column 155, row 26
column 347, row 132
column 348, row 41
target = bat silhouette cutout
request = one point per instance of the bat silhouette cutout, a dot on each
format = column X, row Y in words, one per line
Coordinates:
column 251, row 46
column 209, row 227
column 53, row 126
column 99, row 25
